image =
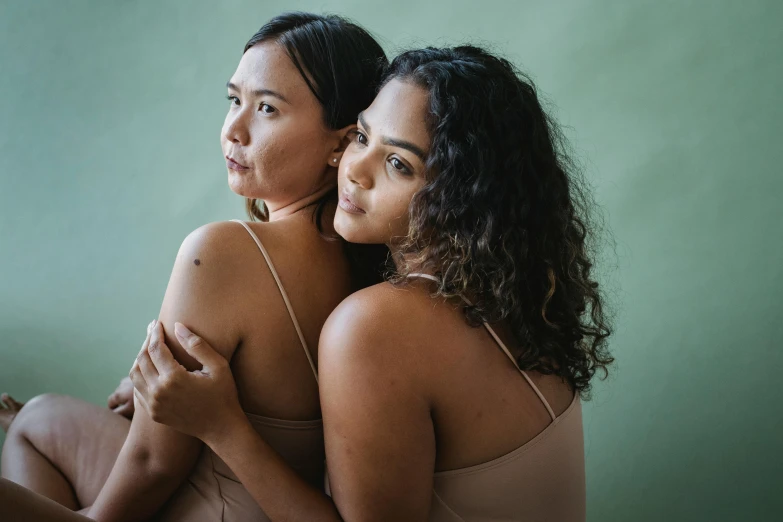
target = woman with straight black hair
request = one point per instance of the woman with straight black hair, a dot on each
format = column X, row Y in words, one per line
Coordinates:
column 260, row 291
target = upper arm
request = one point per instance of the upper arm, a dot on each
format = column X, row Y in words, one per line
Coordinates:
column 155, row 459
column 380, row 441
column 201, row 289
column 197, row 295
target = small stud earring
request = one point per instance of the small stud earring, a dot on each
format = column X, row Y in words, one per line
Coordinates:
column 334, row 160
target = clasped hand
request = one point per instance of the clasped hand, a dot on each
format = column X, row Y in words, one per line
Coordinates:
column 199, row 403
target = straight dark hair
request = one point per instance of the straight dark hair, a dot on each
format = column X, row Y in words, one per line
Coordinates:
column 341, row 63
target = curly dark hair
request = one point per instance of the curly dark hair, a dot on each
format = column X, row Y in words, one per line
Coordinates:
column 505, row 217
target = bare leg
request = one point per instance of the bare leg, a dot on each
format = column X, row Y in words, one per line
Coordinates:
column 8, row 410
column 63, row 448
column 22, row 505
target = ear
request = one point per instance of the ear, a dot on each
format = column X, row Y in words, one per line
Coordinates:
column 344, row 136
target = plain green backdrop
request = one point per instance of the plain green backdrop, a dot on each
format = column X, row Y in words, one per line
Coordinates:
column 110, row 114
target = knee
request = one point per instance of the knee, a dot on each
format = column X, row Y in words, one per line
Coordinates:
column 35, row 414
column 44, row 400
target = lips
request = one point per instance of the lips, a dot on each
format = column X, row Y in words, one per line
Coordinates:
column 347, row 204
column 234, row 165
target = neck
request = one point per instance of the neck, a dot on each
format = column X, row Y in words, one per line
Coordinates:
column 408, row 259
column 397, row 257
column 293, row 207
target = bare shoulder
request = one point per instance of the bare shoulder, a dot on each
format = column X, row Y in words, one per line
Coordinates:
column 202, row 288
column 210, row 242
column 222, row 249
column 381, row 325
column 215, row 238
column 380, row 310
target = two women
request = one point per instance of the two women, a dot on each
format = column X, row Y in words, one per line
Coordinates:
column 450, row 392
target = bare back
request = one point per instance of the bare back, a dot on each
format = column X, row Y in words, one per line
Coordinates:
column 476, row 392
column 273, row 374
column 482, row 395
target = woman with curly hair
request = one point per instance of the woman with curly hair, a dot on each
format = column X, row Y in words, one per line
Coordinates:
column 452, row 391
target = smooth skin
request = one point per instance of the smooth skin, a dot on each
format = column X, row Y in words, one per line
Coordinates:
column 407, row 387
column 221, row 282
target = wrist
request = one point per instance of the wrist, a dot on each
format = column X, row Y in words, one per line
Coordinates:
column 226, row 429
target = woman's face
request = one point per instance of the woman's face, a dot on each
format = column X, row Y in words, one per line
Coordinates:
column 383, row 166
column 276, row 144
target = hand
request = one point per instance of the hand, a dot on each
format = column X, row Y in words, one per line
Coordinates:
column 201, row 403
column 121, row 401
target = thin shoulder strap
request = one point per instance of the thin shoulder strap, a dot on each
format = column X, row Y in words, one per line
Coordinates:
column 283, row 294
column 505, row 350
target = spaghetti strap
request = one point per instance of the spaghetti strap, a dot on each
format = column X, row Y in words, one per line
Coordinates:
column 527, row 378
column 283, row 294
column 502, row 347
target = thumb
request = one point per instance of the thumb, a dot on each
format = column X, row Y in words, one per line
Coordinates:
column 198, row 347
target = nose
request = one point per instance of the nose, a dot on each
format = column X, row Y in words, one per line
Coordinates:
column 359, row 171
column 235, row 128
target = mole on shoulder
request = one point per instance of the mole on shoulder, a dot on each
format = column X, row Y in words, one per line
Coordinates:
column 197, row 262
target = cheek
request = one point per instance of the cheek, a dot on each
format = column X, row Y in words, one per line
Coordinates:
column 271, row 161
column 397, row 201
column 294, row 153
column 397, row 222
column 390, row 219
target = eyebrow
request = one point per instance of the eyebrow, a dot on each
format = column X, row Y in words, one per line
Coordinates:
column 259, row 92
column 395, row 142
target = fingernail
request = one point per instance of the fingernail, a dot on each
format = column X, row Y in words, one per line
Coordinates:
column 181, row 331
column 151, row 325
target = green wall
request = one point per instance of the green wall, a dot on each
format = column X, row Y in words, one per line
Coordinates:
column 109, row 120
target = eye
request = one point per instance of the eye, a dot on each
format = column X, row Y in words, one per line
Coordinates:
column 360, row 137
column 233, row 99
column 267, row 109
column 399, row 166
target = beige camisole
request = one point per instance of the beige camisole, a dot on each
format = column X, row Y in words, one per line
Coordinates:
column 542, row 480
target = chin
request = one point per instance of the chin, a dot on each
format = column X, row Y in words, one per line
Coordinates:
column 239, row 187
column 348, row 229
column 235, row 184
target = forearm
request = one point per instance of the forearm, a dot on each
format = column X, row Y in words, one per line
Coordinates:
column 276, row 487
column 135, row 489
column 22, row 505
column 152, row 464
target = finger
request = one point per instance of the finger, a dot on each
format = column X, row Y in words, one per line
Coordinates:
column 160, row 354
column 155, row 332
column 146, row 342
column 10, row 403
column 147, row 369
column 139, row 384
column 113, row 401
column 126, row 409
column 140, row 400
column 198, row 348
